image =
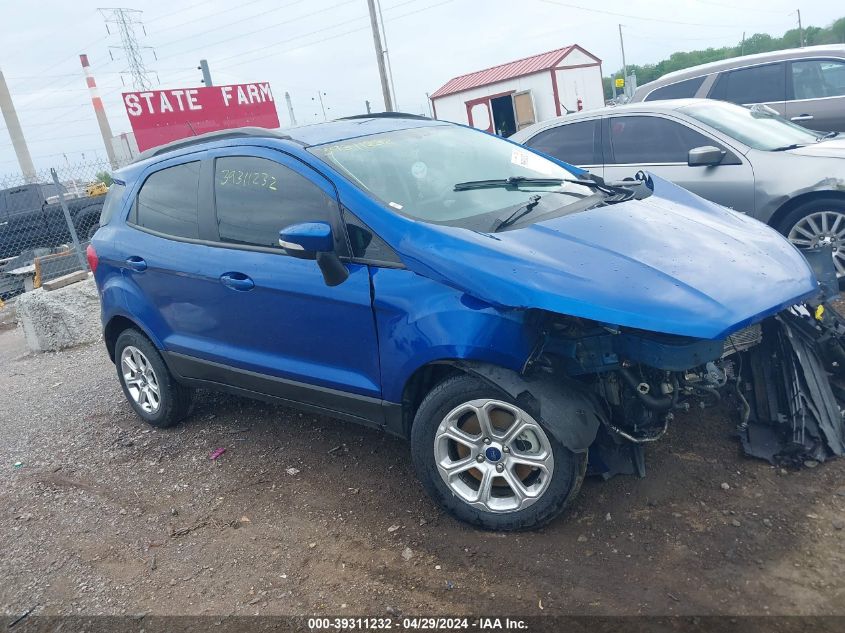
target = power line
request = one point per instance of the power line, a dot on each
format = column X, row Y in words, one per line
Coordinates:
column 649, row 18
column 218, row 13
column 262, row 29
column 321, row 30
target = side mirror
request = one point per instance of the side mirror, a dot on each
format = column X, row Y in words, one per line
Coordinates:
column 314, row 240
column 705, row 156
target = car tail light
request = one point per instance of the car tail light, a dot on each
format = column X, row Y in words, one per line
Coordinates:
column 93, row 260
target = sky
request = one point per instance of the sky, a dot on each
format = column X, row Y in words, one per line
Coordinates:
column 306, row 47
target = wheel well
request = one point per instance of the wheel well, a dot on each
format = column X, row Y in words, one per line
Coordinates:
column 115, row 327
column 419, row 384
column 793, row 203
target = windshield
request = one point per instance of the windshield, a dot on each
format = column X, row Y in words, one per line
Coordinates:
column 415, row 172
column 757, row 129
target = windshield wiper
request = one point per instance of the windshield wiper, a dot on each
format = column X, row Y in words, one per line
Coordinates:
column 827, row 136
column 785, row 148
column 522, row 211
column 512, row 182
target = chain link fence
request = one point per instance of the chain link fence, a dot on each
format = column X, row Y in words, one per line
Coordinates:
column 46, row 221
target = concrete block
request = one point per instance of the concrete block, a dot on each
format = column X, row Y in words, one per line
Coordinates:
column 62, row 318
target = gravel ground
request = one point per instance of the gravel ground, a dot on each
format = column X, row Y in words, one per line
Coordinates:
column 306, row 514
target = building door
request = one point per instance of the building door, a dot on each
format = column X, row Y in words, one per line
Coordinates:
column 504, row 115
column 523, row 104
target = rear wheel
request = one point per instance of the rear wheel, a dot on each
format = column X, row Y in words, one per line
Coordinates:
column 818, row 223
column 490, row 462
column 147, row 383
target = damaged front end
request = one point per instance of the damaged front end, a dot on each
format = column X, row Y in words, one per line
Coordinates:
column 781, row 376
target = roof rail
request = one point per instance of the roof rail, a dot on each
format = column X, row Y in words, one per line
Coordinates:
column 220, row 135
column 386, row 115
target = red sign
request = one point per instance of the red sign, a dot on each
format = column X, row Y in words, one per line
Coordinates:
column 161, row 116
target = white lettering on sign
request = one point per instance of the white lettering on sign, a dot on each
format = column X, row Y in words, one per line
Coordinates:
column 182, row 100
column 193, row 104
column 133, row 104
column 226, row 91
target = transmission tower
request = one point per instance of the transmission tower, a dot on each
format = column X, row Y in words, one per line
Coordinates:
column 126, row 21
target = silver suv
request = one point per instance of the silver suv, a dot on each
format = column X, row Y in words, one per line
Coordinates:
column 805, row 85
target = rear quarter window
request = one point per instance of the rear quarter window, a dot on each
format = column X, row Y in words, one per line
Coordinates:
column 681, row 90
column 167, row 202
column 113, row 201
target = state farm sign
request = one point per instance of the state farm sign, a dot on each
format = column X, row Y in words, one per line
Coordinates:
column 161, row 116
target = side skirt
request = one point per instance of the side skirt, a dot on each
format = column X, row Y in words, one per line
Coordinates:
column 371, row 412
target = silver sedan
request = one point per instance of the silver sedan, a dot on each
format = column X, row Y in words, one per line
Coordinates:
column 748, row 159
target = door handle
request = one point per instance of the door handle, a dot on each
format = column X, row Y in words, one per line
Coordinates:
column 137, row 264
column 802, row 117
column 237, row 281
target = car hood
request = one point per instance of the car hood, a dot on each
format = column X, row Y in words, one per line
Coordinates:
column 831, row 148
column 671, row 263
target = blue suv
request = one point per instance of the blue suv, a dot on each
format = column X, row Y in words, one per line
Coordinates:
column 507, row 313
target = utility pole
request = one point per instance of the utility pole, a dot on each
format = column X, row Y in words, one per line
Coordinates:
column 290, row 109
column 387, row 55
column 15, row 132
column 367, row 103
column 742, row 47
column 624, row 65
column 385, row 87
column 126, row 20
column 206, row 73
column 800, row 28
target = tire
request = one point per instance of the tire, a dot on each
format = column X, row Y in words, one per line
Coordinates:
column 460, row 402
column 818, row 211
column 93, row 229
column 154, row 394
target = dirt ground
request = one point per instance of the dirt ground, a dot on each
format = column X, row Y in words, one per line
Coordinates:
column 311, row 515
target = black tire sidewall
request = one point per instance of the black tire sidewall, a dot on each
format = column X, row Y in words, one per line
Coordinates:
column 569, row 467
column 170, row 411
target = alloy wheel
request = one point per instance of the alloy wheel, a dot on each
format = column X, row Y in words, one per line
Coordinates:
column 140, row 379
column 493, row 455
column 822, row 228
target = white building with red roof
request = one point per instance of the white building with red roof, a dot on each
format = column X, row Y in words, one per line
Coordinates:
column 506, row 98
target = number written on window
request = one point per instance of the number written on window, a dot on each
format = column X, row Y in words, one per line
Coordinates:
column 257, row 197
column 241, row 178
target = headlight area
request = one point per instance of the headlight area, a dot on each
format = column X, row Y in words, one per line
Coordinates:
column 778, row 377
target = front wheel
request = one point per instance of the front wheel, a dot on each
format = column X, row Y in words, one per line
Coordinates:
column 488, row 461
column 817, row 223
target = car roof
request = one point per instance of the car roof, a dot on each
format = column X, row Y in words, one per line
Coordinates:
column 303, row 135
column 744, row 60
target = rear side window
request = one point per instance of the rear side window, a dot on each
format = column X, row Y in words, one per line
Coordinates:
column 651, row 139
column 575, row 143
column 167, row 202
column 759, row 84
column 113, row 201
column 681, row 90
column 818, row 78
column 256, row 198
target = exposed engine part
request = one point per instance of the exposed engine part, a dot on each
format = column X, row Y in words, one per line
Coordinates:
column 792, row 413
column 745, row 339
column 642, row 439
column 663, row 403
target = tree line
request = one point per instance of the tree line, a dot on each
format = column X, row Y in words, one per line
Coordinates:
column 757, row 43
